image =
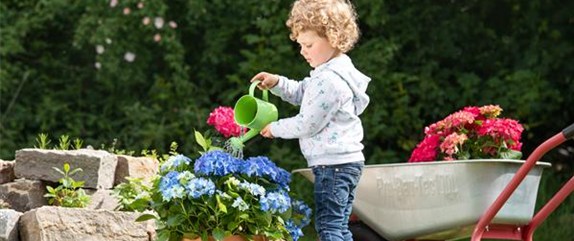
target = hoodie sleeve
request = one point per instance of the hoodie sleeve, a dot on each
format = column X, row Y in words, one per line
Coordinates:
column 290, row 90
column 318, row 106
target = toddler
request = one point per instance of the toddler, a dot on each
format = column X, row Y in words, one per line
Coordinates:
column 331, row 98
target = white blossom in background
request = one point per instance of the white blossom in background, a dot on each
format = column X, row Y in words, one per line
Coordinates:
column 98, row 65
column 158, row 22
column 140, row 5
column 172, row 24
column 113, row 3
column 146, row 21
column 108, row 41
column 157, row 37
column 127, row 11
column 129, row 56
column 100, row 49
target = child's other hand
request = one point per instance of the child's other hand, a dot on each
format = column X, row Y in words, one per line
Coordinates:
column 266, row 132
column 268, row 80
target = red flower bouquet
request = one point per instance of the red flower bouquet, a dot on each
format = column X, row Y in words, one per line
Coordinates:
column 472, row 133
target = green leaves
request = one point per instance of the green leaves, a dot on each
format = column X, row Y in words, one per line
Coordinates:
column 145, row 217
column 218, row 234
column 132, row 195
column 69, row 193
column 510, row 154
column 204, row 142
column 201, row 141
column 176, row 220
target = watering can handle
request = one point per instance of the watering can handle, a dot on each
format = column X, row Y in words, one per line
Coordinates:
column 252, row 90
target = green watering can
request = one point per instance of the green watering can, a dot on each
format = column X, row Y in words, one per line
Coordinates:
column 252, row 113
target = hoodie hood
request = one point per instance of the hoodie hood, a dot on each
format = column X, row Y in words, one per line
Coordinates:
column 357, row 81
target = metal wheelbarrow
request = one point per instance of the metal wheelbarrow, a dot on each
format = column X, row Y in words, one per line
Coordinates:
column 449, row 200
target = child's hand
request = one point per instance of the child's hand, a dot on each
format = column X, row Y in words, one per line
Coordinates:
column 266, row 132
column 268, row 80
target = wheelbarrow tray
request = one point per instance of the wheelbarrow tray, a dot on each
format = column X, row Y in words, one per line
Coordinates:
column 440, row 200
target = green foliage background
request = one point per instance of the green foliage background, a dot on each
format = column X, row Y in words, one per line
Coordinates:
column 426, row 58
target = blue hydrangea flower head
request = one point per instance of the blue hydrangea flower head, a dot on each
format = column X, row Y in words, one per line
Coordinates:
column 199, row 187
column 216, row 163
column 276, row 201
column 170, row 187
column 175, row 162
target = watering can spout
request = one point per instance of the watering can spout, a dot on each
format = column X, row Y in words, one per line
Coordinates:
column 247, row 136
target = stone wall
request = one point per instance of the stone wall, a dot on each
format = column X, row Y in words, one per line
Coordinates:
column 23, row 185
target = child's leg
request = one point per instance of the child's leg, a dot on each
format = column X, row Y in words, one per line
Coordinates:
column 346, row 232
column 334, row 193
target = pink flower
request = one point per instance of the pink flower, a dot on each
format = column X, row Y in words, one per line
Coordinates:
column 451, row 143
column 453, row 122
column 127, row 11
column 474, row 132
column 146, row 20
column 223, row 120
column 426, row 150
column 490, row 110
column 172, row 24
column 157, row 37
column 503, row 130
column 475, row 111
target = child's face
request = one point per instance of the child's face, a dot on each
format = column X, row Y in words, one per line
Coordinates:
column 315, row 49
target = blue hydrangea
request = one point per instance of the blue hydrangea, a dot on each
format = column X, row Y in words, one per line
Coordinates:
column 277, row 201
column 253, row 188
column 284, row 178
column 299, row 207
column 248, row 168
column 217, row 163
column 240, row 204
column 263, row 167
column 175, row 162
column 294, row 230
column 199, row 187
column 170, row 187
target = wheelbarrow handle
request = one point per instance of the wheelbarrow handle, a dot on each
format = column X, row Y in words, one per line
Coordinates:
column 568, row 132
column 489, row 214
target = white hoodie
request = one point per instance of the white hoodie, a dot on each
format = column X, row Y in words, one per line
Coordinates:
column 328, row 125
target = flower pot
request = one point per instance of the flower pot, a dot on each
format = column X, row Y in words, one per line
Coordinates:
column 231, row 238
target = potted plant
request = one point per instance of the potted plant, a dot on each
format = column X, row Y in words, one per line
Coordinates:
column 472, row 133
column 217, row 196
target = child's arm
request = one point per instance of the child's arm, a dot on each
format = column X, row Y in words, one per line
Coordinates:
column 290, row 90
column 320, row 103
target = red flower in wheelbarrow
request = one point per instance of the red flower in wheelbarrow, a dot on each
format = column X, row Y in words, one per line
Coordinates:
column 472, row 133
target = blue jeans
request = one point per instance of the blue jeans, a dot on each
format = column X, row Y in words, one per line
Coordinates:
column 334, row 195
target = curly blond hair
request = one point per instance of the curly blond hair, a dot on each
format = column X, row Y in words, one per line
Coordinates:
column 335, row 20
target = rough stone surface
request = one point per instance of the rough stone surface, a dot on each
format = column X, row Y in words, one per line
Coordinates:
column 98, row 166
column 136, row 167
column 23, row 195
column 66, row 224
column 102, row 199
column 6, row 171
column 8, row 225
